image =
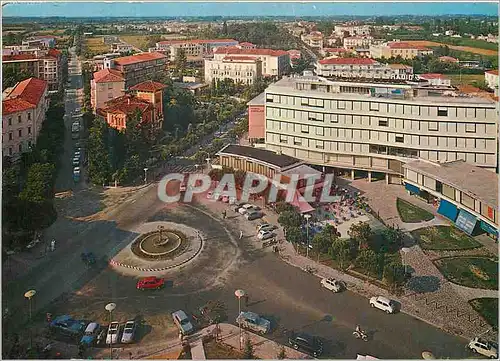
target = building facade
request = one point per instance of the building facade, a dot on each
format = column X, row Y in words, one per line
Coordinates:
column 357, row 42
column 377, row 127
column 274, row 62
column 137, row 68
column 361, row 68
column 106, row 84
column 314, row 39
column 436, row 79
column 491, row 79
column 23, row 113
column 351, row 30
column 398, row 48
column 257, row 119
column 196, row 48
column 241, row 69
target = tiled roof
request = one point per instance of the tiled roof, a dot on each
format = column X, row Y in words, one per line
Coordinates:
column 126, row 104
column 198, row 41
column 148, row 86
column 348, row 61
column 239, row 58
column 263, row 155
column 108, row 76
column 246, row 43
column 494, row 72
column 26, row 94
column 237, row 51
column 404, row 45
column 54, row 53
column 433, row 76
column 18, row 57
column 138, row 58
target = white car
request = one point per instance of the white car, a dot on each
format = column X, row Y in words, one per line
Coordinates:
column 483, row 347
column 129, row 332
column 112, row 336
column 383, row 303
column 245, row 208
column 266, row 227
column 332, row 284
column 263, row 235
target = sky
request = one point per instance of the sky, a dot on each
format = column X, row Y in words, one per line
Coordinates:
column 145, row 9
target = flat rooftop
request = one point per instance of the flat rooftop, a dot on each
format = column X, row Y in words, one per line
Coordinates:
column 477, row 182
column 262, row 155
column 258, row 100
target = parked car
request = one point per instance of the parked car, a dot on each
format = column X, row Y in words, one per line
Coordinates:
column 245, row 208
column 263, row 235
column 253, row 322
column 483, row 347
column 266, row 227
column 252, row 215
column 307, row 343
column 150, row 283
column 76, row 162
column 238, row 206
column 68, row 326
column 332, row 284
column 129, row 332
column 383, row 303
column 182, row 322
column 112, row 336
column 90, row 336
column 76, row 174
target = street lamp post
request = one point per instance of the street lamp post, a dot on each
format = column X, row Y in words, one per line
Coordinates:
column 110, row 307
column 239, row 294
column 29, row 295
column 145, row 175
column 307, row 216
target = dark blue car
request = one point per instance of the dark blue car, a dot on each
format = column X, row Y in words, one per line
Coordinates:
column 68, row 326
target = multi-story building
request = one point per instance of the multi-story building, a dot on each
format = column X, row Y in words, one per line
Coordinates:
column 436, row 79
column 23, row 63
column 137, row 68
column 147, row 99
column 106, row 84
column 241, row 69
column 356, row 42
column 314, row 39
column 274, row 62
column 23, row 113
column 464, row 193
column 52, row 69
column 351, row 30
column 398, row 48
column 121, row 47
column 360, row 68
column 192, row 48
column 377, row 127
column 491, row 79
column 333, row 52
column 43, row 41
column 257, row 119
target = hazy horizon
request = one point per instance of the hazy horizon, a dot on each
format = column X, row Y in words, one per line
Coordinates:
column 200, row 9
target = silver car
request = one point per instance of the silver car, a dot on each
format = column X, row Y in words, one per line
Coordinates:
column 129, row 332
column 182, row 322
column 112, row 336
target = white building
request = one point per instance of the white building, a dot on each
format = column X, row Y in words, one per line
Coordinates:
column 314, row 39
column 241, row 69
column 274, row 62
column 194, row 48
column 491, row 79
column 352, row 30
column 403, row 49
column 355, row 42
column 361, row 68
column 377, row 127
column 436, row 79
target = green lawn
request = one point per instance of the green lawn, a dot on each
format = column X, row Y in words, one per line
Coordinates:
column 465, row 79
column 444, row 238
column 488, row 308
column 410, row 213
column 477, row 272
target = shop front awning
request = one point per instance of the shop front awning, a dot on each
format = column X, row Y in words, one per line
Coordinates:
column 448, row 209
column 466, row 221
column 412, row 189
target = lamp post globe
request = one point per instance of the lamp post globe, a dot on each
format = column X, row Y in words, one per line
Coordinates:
column 239, row 293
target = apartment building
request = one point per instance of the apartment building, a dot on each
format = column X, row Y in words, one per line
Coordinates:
column 43, row 41
column 23, row 113
column 241, row 69
column 357, row 42
column 137, row 68
column 23, row 63
column 491, row 79
column 52, row 69
column 377, row 127
column 121, row 47
column 351, row 30
column 274, row 62
column 257, row 119
column 464, row 193
column 106, row 84
column 360, row 68
column 333, row 52
column 314, row 39
column 196, row 48
column 398, row 48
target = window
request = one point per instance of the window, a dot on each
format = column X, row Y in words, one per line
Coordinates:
column 110, row 86
column 399, row 138
column 442, row 112
column 19, row 119
column 341, row 104
column 10, row 121
column 29, row 116
column 374, row 106
column 470, row 128
column 20, row 132
column 433, row 126
column 304, row 129
column 10, row 136
column 304, row 101
column 20, row 147
column 383, row 123
column 320, row 144
column 283, row 139
column 297, row 141
column 10, row 151
column 320, row 131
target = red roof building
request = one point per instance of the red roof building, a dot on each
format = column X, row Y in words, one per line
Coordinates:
column 274, row 62
column 108, row 75
column 107, row 84
column 148, row 86
column 405, row 45
column 348, row 61
column 137, row 68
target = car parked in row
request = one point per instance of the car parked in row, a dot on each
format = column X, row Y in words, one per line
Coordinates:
column 90, row 336
column 483, row 347
column 67, row 326
column 244, row 209
column 383, row 303
column 182, row 322
column 263, row 235
column 129, row 331
column 332, row 284
column 253, row 215
column 266, row 227
column 253, row 322
column 307, row 343
column 112, row 336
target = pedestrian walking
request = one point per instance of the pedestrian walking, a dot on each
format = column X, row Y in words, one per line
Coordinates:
column 224, row 215
column 241, row 234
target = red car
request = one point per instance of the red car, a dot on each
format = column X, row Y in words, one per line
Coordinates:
column 150, row 283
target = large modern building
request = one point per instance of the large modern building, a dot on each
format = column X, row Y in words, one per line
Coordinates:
column 378, row 127
column 355, row 42
column 466, row 194
column 23, row 113
column 240, row 69
column 139, row 67
column 107, row 84
column 351, row 30
column 359, row 68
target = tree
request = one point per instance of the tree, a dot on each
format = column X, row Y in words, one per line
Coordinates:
column 360, row 232
column 294, row 235
column 289, row 219
column 180, row 61
column 38, row 187
column 394, row 274
column 99, row 167
column 282, row 354
column 367, row 260
column 248, row 350
column 323, row 240
column 340, row 250
column 393, row 236
column 300, row 64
